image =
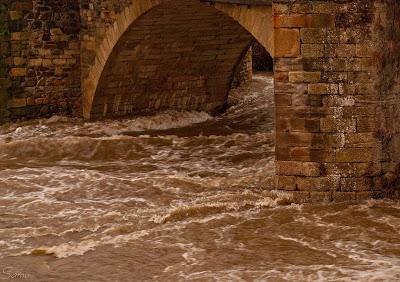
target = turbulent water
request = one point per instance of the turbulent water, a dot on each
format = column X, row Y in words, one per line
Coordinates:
column 176, row 197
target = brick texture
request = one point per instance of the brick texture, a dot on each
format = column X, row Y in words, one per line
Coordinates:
column 43, row 59
column 332, row 53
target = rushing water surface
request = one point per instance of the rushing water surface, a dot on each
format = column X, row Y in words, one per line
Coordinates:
column 176, row 197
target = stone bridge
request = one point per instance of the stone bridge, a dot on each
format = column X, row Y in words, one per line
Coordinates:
column 157, row 55
column 336, row 69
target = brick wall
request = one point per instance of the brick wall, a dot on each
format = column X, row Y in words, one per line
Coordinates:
column 327, row 103
column 44, row 59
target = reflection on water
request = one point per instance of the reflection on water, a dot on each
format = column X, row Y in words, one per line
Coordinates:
column 177, row 196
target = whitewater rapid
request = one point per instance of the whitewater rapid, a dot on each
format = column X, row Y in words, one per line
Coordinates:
column 176, row 196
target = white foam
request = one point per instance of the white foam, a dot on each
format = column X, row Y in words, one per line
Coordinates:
column 66, row 249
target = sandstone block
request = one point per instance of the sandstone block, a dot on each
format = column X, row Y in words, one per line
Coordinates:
column 304, row 125
column 340, row 50
column 366, row 124
column 356, row 184
column 17, row 103
column 346, row 50
column 279, row 8
column 344, row 196
column 287, row 42
column 304, row 76
column 59, row 62
column 313, row 35
column 320, row 197
column 353, row 169
column 47, row 63
column 21, row 6
column 365, row 195
column 301, row 196
column 312, row 50
column 339, row 101
column 364, row 50
column 356, row 88
column 312, row 155
column 290, row 168
column 19, row 36
column 287, row 183
column 338, row 125
column 282, row 76
column 18, row 61
column 44, row 52
column 36, row 62
column 354, row 155
column 283, row 100
column 289, row 21
column 15, row 72
column 323, row 88
column 282, row 124
column 325, row 7
column 362, row 140
column 319, row 20
column 282, row 153
column 335, row 76
column 319, row 184
column 301, row 20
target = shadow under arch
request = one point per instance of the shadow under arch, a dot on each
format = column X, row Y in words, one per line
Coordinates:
column 177, row 54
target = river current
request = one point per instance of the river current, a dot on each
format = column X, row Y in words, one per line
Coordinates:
column 176, row 197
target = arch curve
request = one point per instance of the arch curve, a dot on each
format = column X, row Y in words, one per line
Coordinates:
column 113, row 33
column 137, row 14
column 257, row 20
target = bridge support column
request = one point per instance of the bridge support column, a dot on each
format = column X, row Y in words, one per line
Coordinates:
column 330, row 96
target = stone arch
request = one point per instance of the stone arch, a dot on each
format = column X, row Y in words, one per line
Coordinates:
column 112, row 35
column 139, row 9
column 255, row 19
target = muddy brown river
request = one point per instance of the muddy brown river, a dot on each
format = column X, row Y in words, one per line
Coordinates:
column 176, row 197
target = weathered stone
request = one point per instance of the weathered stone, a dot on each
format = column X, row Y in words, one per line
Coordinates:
column 298, row 168
column 304, row 76
column 312, row 50
column 344, row 196
column 15, row 72
column 17, row 103
column 354, row 155
column 35, row 62
column 320, row 197
column 356, row 184
column 334, row 125
column 311, row 20
column 323, row 88
column 19, row 36
column 318, row 184
column 287, row 42
column 287, row 183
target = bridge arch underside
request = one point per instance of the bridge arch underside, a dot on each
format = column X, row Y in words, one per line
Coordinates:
column 180, row 55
